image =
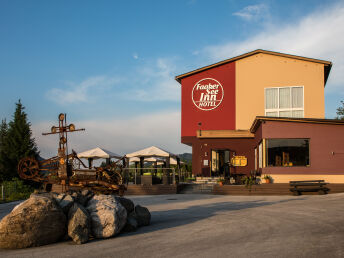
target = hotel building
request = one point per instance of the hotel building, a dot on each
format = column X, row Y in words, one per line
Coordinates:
column 262, row 111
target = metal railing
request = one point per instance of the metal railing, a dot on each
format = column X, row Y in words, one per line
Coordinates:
column 131, row 175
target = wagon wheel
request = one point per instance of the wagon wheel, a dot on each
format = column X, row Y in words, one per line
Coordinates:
column 28, row 168
column 116, row 177
column 119, row 178
column 115, row 173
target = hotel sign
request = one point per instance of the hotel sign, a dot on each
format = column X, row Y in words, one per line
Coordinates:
column 207, row 94
column 239, row 161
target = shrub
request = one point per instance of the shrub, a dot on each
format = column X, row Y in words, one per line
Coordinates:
column 15, row 190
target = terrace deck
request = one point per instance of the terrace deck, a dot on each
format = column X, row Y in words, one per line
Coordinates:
column 263, row 189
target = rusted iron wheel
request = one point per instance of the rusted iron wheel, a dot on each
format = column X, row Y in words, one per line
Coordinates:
column 28, row 168
column 117, row 178
column 115, row 172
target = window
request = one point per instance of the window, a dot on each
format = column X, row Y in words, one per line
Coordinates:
column 284, row 102
column 287, row 152
column 255, row 159
column 260, row 155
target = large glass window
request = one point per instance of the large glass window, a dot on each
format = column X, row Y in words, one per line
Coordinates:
column 260, row 155
column 284, row 102
column 255, row 159
column 287, row 152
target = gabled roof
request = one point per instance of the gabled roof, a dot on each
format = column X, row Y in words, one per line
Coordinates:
column 262, row 119
column 150, row 152
column 98, row 153
column 160, row 161
column 327, row 64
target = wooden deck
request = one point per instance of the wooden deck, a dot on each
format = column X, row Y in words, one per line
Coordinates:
column 268, row 189
column 263, row 189
column 151, row 189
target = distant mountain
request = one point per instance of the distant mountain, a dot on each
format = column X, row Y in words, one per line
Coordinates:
column 186, row 157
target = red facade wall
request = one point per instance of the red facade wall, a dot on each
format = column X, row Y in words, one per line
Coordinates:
column 220, row 118
column 326, row 146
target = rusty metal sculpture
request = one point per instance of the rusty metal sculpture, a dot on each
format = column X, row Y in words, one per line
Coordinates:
column 64, row 169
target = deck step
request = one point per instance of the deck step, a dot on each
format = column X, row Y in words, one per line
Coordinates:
column 206, row 180
column 197, row 189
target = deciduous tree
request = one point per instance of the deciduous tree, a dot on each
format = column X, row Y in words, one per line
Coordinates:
column 340, row 111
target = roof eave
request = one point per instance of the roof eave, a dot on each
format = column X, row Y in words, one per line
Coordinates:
column 327, row 64
column 259, row 119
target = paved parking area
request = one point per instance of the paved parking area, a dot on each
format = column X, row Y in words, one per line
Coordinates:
column 220, row 226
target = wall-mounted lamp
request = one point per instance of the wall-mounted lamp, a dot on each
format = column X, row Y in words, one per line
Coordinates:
column 199, row 127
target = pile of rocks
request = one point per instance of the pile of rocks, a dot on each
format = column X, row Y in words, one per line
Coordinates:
column 46, row 218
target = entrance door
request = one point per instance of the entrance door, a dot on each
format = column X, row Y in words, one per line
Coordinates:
column 220, row 163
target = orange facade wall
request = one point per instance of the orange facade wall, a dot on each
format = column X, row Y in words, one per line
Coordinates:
column 255, row 73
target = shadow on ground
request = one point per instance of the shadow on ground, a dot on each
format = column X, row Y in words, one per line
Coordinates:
column 179, row 217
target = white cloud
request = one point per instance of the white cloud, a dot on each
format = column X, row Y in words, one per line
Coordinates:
column 135, row 56
column 252, row 12
column 155, row 82
column 118, row 135
column 317, row 35
column 84, row 91
column 147, row 82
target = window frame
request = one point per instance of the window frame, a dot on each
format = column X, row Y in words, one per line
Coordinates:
column 291, row 109
column 260, row 155
column 267, row 152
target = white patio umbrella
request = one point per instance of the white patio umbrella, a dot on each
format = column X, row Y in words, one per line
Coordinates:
column 173, row 161
column 97, row 153
column 150, row 152
column 136, row 159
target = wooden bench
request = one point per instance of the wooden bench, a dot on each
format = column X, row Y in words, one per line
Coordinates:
column 308, row 186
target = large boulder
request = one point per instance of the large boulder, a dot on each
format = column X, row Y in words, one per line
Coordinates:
column 79, row 224
column 127, row 203
column 65, row 201
column 143, row 215
column 132, row 224
column 108, row 216
column 84, row 196
column 35, row 222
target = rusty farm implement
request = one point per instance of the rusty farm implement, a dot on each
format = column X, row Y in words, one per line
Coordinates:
column 64, row 169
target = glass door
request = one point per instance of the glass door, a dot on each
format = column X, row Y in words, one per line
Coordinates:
column 220, row 163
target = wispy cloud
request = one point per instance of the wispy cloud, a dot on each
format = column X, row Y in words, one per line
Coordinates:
column 155, row 82
column 191, row 2
column 85, row 91
column 118, row 135
column 318, row 35
column 135, row 56
column 252, row 12
column 149, row 81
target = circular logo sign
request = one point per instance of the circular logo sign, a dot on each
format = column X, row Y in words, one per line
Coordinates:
column 207, row 94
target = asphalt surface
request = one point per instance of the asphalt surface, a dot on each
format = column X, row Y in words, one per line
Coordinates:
column 219, row 226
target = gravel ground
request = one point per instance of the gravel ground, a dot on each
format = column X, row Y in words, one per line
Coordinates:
column 190, row 225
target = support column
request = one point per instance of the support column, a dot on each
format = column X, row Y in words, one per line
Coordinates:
column 141, row 165
column 90, row 163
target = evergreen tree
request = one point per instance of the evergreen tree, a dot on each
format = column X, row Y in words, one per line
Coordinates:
column 3, row 135
column 340, row 112
column 18, row 142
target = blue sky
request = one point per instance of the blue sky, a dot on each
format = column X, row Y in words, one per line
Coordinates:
column 110, row 65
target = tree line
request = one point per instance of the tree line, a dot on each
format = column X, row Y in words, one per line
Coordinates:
column 16, row 142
